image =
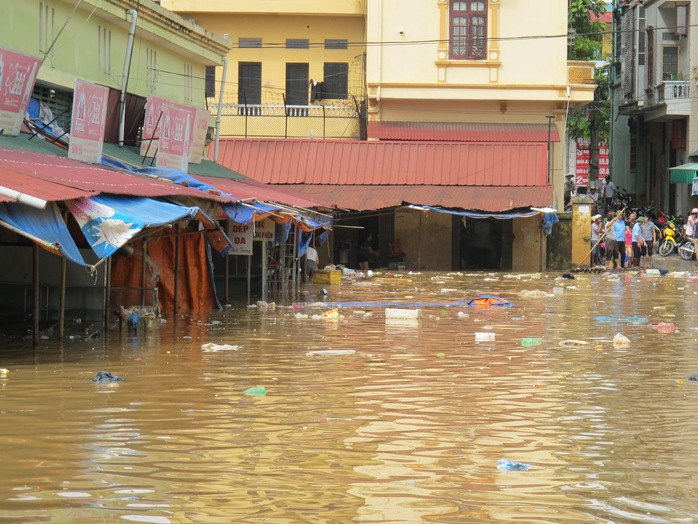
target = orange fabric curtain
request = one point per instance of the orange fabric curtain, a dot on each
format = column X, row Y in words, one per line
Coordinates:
column 195, row 288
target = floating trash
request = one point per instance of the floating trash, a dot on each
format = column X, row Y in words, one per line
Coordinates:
column 641, row 320
column 665, row 327
column 621, row 340
column 528, row 341
column 331, row 352
column 259, row 391
column 210, row 347
column 510, row 465
column 332, row 314
column 534, row 293
column 489, row 300
column 106, row 377
column 402, row 313
column 573, row 343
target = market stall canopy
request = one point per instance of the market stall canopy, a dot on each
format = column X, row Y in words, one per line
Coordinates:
column 683, row 174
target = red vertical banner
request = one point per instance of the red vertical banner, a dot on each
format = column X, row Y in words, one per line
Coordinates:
column 17, row 76
column 175, row 138
column 581, row 175
column 152, row 125
column 88, row 121
column 198, row 139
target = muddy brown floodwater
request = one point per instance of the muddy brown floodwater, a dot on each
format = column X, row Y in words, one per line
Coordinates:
column 370, row 418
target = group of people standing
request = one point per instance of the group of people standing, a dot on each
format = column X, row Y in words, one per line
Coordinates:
column 628, row 241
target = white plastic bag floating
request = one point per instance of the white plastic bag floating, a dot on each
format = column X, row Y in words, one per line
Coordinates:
column 621, row 340
column 485, row 337
column 210, row 347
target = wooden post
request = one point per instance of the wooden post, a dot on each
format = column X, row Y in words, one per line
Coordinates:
column 37, row 298
column 61, row 307
column 176, row 271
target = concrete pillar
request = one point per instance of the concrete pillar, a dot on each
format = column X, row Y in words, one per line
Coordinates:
column 582, row 206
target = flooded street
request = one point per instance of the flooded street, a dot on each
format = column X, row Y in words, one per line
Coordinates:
column 368, row 418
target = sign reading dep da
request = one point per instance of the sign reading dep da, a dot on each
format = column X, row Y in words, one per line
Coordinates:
column 694, row 187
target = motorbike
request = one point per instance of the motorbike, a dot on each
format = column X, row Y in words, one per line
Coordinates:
column 668, row 243
column 685, row 246
column 686, row 249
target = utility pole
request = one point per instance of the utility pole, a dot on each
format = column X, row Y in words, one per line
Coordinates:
column 593, row 115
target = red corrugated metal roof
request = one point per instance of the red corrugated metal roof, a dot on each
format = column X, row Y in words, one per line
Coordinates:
column 54, row 178
column 462, row 132
column 344, row 162
column 488, row 199
column 250, row 189
column 606, row 18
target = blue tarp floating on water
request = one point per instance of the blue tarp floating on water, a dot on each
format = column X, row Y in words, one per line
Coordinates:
column 640, row 320
column 459, row 303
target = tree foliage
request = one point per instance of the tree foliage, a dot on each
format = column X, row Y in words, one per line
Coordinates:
column 585, row 44
column 585, row 34
column 578, row 125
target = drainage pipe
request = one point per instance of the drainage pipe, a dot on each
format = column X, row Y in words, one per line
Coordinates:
column 219, row 116
column 22, row 198
column 124, row 80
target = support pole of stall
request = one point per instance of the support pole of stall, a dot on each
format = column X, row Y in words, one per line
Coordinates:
column 107, row 293
column 249, row 278
column 419, row 243
column 226, row 284
column 265, row 264
column 37, row 298
column 294, row 263
column 541, row 238
column 61, row 306
column 145, row 254
column 176, row 271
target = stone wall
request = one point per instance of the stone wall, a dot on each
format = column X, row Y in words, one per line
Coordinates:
column 559, row 245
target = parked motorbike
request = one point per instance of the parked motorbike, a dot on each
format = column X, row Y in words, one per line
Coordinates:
column 668, row 243
column 687, row 250
column 621, row 199
column 685, row 246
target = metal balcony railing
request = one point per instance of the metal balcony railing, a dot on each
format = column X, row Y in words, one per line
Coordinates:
column 289, row 121
column 278, row 110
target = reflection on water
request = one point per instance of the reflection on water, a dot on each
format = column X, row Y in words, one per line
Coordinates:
column 408, row 427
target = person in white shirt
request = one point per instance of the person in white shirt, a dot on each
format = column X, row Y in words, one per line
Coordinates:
column 608, row 192
column 311, row 260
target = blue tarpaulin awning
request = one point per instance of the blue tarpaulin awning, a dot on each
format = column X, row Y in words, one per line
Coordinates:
column 45, row 226
column 108, row 221
column 475, row 214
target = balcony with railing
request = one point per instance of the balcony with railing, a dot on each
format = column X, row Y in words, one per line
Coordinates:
column 289, row 121
column 668, row 99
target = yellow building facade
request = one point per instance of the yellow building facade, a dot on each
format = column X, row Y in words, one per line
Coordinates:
column 514, row 71
column 296, row 69
column 411, row 73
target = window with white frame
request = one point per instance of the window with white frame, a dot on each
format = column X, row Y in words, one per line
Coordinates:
column 670, row 63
